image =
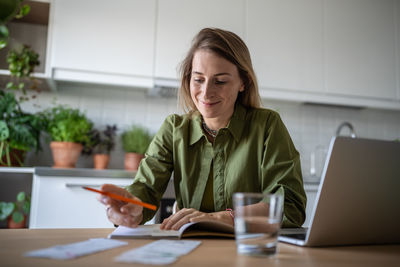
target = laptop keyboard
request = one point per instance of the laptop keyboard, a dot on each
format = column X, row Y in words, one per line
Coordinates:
column 300, row 236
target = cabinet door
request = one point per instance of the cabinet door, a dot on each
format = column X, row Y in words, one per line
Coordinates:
column 285, row 40
column 104, row 37
column 60, row 202
column 360, row 48
column 179, row 21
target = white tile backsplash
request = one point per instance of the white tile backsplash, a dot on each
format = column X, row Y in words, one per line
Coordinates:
column 309, row 125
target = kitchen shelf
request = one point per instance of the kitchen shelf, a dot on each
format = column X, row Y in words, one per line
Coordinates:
column 31, row 30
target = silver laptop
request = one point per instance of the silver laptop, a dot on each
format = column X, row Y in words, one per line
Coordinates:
column 358, row 200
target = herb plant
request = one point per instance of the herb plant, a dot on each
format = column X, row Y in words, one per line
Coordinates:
column 136, row 139
column 102, row 142
column 66, row 124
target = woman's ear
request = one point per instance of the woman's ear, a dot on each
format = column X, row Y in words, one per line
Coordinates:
column 241, row 89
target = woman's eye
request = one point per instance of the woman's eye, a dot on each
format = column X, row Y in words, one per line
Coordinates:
column 197, row 80
column 220, row 82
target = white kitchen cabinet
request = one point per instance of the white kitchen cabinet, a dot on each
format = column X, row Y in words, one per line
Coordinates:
column 109, row 42
column 285, row 38
column 335, row 52
column 60, row 202
column 179, row 21
column 359, row 44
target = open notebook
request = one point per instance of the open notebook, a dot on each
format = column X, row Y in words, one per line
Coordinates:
column 198, row 229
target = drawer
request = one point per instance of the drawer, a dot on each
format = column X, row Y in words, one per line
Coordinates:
column 61, row 202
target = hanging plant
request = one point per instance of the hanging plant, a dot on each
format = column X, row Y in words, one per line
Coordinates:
column 22, row 63
column 10, row 9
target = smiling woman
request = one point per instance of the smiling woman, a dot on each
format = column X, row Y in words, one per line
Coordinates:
column 214, row 87
column 224, row 144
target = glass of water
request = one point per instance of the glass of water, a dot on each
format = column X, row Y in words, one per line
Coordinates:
column 257, row 222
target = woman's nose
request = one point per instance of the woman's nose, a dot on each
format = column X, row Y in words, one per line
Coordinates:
column 208, row 90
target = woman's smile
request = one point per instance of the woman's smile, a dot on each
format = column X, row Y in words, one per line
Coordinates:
column 209, row 104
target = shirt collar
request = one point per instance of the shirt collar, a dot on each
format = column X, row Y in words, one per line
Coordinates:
column 196, row 132
column 235, row 125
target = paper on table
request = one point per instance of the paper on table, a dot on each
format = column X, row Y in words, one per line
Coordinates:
column 74, row 250
column 159, row 252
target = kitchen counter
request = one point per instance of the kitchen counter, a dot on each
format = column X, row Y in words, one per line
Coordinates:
column 17, row 170
column 107, row 173
column 84, row 172
column 73, row 172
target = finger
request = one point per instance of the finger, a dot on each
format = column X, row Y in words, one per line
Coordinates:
column 132, row 209
column 167, row 225
column 202, row 217
column 164, row 222
column 116, row 217
column 115, row 189
column 107, row 201
column 181, row 218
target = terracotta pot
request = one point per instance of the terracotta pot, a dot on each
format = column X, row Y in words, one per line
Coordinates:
column 132, row 161
column 13, row 225
column 65, row 154
column 101, row 161
column 15, row 155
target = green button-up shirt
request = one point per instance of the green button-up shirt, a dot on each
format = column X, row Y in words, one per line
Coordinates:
column 254, row 153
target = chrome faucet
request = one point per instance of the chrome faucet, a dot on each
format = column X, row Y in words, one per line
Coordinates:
column 348, row 125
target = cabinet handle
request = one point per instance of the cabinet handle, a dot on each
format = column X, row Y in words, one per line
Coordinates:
column 88, row 185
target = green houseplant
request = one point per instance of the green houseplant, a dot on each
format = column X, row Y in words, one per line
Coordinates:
column 10, row 9
column 21, row 63
column 102, row 142
column 19, row 131
column 15, row 212
column 135, row 142
column 69, row 130
column 21, row 59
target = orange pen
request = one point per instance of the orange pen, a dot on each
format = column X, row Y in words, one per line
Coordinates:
column 118, row 197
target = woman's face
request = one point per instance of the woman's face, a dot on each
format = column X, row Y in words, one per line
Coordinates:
column 214, row 85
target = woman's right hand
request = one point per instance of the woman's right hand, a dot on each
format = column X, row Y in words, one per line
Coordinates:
column 120, row 212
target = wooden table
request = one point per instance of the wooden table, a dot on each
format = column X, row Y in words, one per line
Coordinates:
column 211, row 253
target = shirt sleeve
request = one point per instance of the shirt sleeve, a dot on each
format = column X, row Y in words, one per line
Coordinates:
column 281, row 171
column 155, row 169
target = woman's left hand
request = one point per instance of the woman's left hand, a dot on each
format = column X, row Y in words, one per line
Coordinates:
column 184, row 216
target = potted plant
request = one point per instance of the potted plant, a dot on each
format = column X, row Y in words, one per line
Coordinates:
column 102, row 142
column 135, row 142
column 16, row 212
column 69, row 131
column 19, row 131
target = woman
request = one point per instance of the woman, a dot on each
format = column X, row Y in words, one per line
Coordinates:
column 225, row 143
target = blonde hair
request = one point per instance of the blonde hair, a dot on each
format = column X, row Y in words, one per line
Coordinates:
column 229, row 46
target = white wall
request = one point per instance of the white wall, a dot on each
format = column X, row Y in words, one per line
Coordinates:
column 308, row 125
